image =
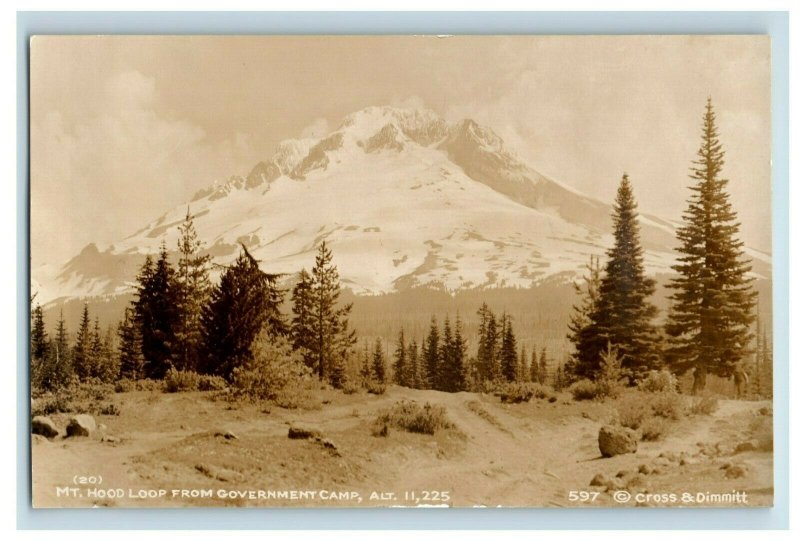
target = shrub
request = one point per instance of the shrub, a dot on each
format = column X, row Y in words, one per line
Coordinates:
column 273, row 367
column 374, row 387
column 659, row 381
column 55, row 403
column 516, row 392
column 109, row 409
column 667, row 405
column 127, row 385
column 705, row 405
column 295, row 397
column 632, row 411
column 584, row 389
column 180, row 381
column 207, row 382
column 410, row 416
column 351, row 387
column 654, row 428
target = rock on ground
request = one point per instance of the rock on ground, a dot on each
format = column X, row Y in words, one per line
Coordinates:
column 44, row 426
column 616, row 440
column 81, row 425
column 303, row 433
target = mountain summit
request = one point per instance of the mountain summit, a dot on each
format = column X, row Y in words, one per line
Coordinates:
column 403, row 197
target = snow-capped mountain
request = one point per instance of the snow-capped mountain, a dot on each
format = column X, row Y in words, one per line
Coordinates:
column 402, row 196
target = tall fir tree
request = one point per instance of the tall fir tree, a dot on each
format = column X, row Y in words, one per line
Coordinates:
column 534, row 366
column 82, row 358
column 508, row 350
column 414, row 366
column 156, row 313
column 523, row 371
column 581, row 322
column 401, row 367
column 543, row 371
column 245, row 301
column 192, row 290
column 332, row 338
column 623, row 313
column 379, row 362
column 712, row 301
column 40, row 345
column 430, row 355
column 59, row 369
column 302, row 324
column 366, row 364
column 131, row 361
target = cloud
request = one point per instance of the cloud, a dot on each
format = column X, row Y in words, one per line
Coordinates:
column 409, row 102
column 318, row 127
column 125, row 155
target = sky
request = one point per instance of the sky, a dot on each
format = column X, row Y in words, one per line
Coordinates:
column 125, row 128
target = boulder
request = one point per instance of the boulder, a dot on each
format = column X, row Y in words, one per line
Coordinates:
column 598, row 480
column 746, row 446
column 44, row 426
column 645, row 469
column 81, row 425
column 616, row 440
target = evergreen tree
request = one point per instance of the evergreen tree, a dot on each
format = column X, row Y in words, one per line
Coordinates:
column 192, row 289
column 39, row 340
column 245, row 301
column 523, row 372
column 156, row 313
column 455, row 376
column 131, row 360
column 508, row 350
column 82, row 350
column 623, row 313
column 401, row 368
column 58, row 369
column 378, row 362
column 445, row 360
column 415, row 373
column 543, row 362
column 534, row 367
column 711, row 312
column 581, row 323
column 332, row 338
column 430, row 355
column 366, row 365
column 302, row 328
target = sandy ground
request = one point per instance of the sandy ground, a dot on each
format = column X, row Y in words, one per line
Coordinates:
column 171, row 452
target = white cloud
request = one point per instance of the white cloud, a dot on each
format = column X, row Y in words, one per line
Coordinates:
column 126, row 156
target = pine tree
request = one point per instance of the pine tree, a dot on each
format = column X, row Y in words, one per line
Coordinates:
column 131, row 360
column 415, row 374
column 378, row 362
column 156, row 313
column 581, row 323
column 711, row 313
column 543, row 368
column 192, row 289
column 302, row 328
column 508, row 350
column 58, row 370
column 366, row 365
column 456, row 373
column 523, row 372
column 82, row 350
column 245, row 301
column 430, row 355
column 39, row 340
column 401, row 368
column 534, row 367
column 332, row 338
column 623, row 313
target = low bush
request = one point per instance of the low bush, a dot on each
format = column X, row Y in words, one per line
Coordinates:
column 667, row 405
column 127, row 385
column 211, row 383
column 273, row 367
column 659, row 381
column 350, row 387
column 296, row 397
column 109, row 409
column 632, row 411
column 410, row 416
column 49, row 404
column 374, row 387
column 654, row 428
column 181, row 381
column 517, row 392
column 584, row 389
column 704, row 405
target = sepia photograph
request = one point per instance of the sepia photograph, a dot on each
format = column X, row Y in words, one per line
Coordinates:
column 529, row 271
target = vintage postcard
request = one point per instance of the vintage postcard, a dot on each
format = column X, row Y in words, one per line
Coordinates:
column 401, row 271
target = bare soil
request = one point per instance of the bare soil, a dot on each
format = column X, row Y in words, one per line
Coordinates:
column 523, row 455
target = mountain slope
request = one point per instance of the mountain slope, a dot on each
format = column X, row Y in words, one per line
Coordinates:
column 403, row 197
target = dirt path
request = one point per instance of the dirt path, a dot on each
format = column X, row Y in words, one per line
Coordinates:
column 521, row 455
